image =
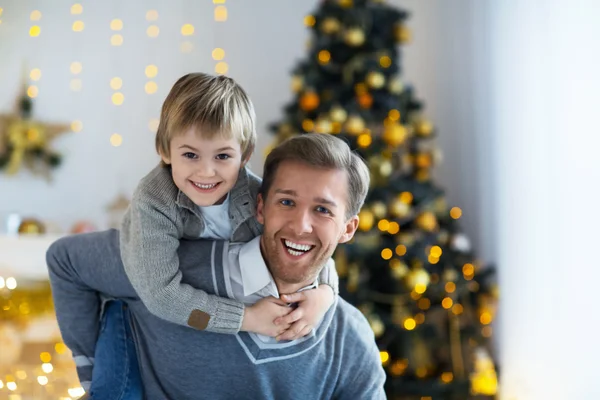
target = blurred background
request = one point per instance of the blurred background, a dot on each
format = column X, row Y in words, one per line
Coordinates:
column 505, row 91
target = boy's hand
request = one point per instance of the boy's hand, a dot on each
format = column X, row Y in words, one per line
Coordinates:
column 260, row 317
column 312, row 306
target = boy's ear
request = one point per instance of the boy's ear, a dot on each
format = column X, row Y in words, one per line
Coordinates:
column 246, row 159
column 164, row 158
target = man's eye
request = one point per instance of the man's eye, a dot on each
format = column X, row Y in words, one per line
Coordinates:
column 189, row 155
column 323, row 210
column 223, row 157
column 286, row 202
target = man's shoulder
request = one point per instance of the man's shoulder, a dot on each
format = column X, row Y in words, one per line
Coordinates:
column 352, row 323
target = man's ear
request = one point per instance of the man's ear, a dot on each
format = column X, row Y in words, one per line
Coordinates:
column 351, row 226
column 260, row 205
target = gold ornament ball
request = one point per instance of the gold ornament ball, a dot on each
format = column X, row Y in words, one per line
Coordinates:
column 399, row 209
column 31, row 227
column 355, row 125
column 427, row 221
column 423, row 128
column 418, row 277
column 309, row 100
column 297, row 83
column 330, row 26
column 354, row 37
column 365, row 220
column 375, row 79
column 394, row 135
column 396, row 86
column 379, row 209
column 338, row 114
column 402, row 34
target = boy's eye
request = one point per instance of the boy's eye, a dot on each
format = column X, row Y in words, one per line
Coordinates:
column 286, row 202
column 189, row 155
column 323, row 210
column 223, row 157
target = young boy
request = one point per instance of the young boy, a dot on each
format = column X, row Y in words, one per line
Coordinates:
column 201, row 190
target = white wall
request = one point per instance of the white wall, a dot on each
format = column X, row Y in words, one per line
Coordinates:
column 546, row 90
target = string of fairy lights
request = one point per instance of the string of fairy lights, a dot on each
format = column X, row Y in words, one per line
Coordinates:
column 53, row 374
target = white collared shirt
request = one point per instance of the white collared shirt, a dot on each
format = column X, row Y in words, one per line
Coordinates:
column 250, row 277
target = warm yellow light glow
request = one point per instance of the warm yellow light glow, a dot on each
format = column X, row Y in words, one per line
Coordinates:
column 151, row 87
column 32, row 91
column 34, row 31
column 308, row 125
column 385, row 61
column 485, row 318
column 151, row 71
column 76, row 67
column 116, row 83
column 116, row 39
column 420, row 318
column 76, row 9
column 386, row 254
column 421, row 372
column 406, row 197
column 116, row 140
column 76, row 392
column 457, row 309
column 221, row 68
column 116, row 24
column 78, row 26
column 218, row 1
column 383, row 225
column 394, row 228
column 220, row 13
column 486, row 331
column 2, row 283
column 394, row 115
column 401, row 249
column 187, row 30
column 436, row 251
column 455, row 213
column 42, row 380
column 45, row 357
column 152, row 31
column 21, row 374
column 309, row 20
column 450, row 287
column 11, row 283
column 186, row 47
column 151, row 15
column 218, row 54
column 47, row 368
column 324, row 56
column 35, row 74
column 12, row 386
column 364, row 140
column 468, row 269
column 385, row 356
column 420, row 288
column 60, row 348
column 118, row 98
column 410, row 324
column 35, row 15
column 153, row 125
column 447, row 377
column 447, row 303
column 76, row 126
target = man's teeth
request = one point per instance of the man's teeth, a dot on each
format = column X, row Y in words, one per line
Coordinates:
column 294, row 252
column 297, row 246
column 201, row 186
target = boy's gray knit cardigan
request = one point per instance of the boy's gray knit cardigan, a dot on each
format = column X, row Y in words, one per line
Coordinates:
column 159, row 216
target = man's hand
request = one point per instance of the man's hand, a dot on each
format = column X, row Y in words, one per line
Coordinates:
column 260, row 317
column 312, row 306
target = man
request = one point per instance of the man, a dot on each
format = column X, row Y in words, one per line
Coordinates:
column 312, row 191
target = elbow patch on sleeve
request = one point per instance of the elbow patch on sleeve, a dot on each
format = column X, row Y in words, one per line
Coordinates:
column 198, row 320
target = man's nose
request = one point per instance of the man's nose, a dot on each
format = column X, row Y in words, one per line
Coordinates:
column 301, row 222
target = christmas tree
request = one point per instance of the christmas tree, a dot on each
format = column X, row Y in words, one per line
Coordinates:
column 409, row 268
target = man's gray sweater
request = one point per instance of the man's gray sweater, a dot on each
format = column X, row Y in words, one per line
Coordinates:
column 339, row 360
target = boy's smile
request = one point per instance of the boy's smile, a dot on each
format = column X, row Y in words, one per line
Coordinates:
column 205, row 170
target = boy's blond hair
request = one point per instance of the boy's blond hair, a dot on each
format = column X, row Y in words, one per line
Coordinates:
column 216, row 106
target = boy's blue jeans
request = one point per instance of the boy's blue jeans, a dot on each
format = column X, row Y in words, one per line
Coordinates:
column 116, row 373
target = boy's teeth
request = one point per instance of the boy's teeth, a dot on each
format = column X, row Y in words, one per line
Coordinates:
column 201, row 186
column 297, row 246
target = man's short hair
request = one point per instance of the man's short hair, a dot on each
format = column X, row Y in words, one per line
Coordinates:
column 322, row 151
column 217, row 106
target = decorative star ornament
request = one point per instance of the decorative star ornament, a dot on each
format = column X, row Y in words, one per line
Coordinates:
column 25, row 142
